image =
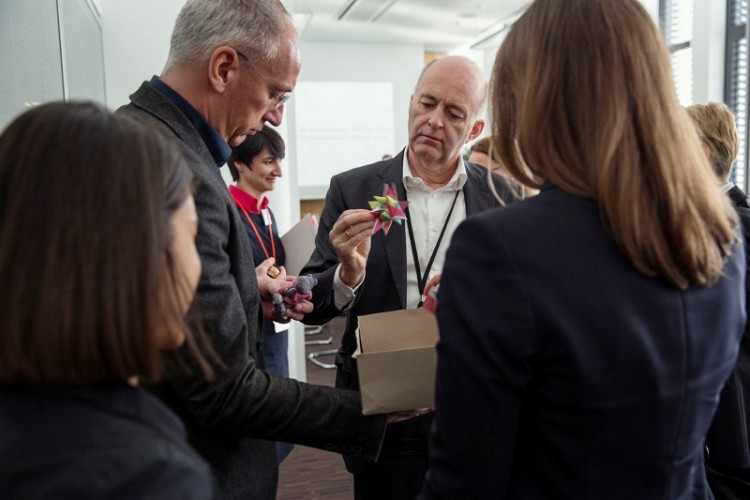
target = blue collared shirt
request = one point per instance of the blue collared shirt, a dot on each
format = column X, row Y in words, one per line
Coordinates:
column 216, row 144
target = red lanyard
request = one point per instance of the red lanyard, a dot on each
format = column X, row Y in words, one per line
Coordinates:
column 257, row 234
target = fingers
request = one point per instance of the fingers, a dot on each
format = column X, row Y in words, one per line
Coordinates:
column 281, row 318
column 296, row 312
column 433, row 281
column 352, row 227
column 264, row 266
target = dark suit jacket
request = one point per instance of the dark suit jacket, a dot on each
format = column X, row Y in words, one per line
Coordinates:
column 109, row 441
column 565, row 373
column 226, row 416
column 384, row 288
column 728, row 440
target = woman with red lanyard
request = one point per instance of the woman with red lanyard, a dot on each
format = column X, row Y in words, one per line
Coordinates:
column 255, row 164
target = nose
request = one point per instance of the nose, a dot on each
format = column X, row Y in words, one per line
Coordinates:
column 277, row 168
column 436, row 117
column 274, row 116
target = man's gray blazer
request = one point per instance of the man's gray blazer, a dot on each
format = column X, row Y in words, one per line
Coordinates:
column 230, row 419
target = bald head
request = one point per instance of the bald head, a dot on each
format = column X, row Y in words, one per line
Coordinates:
column 444, row 113
column 462, row 67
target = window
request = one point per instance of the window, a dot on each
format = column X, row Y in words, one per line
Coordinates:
column 677, row 25
column 736, row 82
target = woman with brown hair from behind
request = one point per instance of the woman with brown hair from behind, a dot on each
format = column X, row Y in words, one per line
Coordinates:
column 584, row 342
column 98, row 268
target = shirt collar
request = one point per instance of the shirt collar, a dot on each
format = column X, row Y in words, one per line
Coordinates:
column 216, row 144
column 247, row 201
column 726, row 187
column 454, row 184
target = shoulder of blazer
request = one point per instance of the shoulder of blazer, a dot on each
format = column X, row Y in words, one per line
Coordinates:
column 150, row 101
column 476, row 178
column 738, row 197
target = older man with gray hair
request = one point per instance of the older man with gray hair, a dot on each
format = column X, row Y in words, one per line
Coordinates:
column 231, row 67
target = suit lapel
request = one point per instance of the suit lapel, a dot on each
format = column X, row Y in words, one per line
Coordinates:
column 477, row 195
column 394, row 244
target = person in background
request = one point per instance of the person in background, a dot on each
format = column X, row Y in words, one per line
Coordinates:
column 585, row 334
column 483, row 153
column 232, row 65
column 480, row 152
column 95, row 289
column 728, row 447
column 361, row 273
column 255, row 165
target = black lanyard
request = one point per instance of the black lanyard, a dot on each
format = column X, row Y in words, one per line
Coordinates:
column 422, row 280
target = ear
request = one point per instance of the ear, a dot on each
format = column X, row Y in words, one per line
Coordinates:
column 476, row 129
column 223, row 68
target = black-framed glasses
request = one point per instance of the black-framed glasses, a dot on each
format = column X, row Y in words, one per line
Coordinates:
column 280, row 97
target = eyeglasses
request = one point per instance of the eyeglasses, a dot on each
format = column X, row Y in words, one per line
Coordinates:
column 280, row 97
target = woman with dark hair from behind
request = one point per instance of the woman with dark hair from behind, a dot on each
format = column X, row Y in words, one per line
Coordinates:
column 584, row 342
column 98, row 268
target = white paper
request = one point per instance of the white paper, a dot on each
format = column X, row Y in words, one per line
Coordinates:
column 299, row 243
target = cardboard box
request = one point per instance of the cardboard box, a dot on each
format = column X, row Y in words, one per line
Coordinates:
column 396, row 360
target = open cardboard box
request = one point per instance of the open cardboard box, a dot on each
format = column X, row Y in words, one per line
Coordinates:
column 396, row 360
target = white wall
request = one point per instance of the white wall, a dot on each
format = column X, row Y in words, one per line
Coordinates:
column 399, row 64
column 136, row 43
column 652, row 6
column 709, row 33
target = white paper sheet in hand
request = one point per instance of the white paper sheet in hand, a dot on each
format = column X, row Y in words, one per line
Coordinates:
column 299, row 243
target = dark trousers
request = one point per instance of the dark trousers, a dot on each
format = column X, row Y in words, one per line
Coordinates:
column 397, row 475
column 728, row 483
column 275, row 356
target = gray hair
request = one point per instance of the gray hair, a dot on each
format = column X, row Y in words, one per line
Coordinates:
column 252, row 27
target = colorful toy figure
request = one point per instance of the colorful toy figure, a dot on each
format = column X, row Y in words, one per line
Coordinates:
column 387, row 209
column 295, row 292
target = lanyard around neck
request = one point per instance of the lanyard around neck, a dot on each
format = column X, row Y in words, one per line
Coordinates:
column 257, row 233
column 422, row 279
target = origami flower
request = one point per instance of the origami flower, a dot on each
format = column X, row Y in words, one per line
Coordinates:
column 387, row 209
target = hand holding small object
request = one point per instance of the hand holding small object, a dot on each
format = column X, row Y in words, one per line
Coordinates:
column 294, row 293
column 386, row 209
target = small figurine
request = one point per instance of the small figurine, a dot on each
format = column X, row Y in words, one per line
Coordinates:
column 295, row 292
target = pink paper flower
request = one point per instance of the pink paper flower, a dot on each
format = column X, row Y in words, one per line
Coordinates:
column 387, row 209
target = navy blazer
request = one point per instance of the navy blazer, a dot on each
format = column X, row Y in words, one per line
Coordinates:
column 384, row 288
column 728, row 439
column 109, row 441
column 230, row 418
column 565, row 373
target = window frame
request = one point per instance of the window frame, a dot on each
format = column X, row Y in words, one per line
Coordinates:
column 736, row 33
